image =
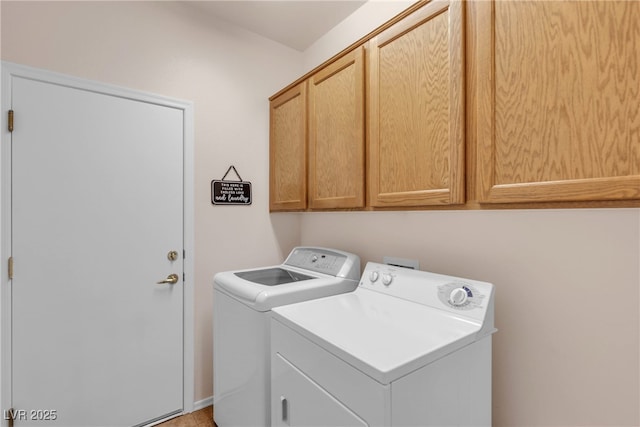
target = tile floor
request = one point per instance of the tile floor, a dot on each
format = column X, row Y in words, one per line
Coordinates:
column 200, row 418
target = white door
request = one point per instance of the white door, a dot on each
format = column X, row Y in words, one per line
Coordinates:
column 97, row 205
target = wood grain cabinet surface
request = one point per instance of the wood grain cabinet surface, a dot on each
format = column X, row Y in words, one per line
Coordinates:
column 495, row 103
column 416, row 110
column 288, row 150
column 558, row 100
column 336, row 134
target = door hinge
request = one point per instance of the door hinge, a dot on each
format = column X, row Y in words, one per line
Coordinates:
column 10, row 268
column 10, row 121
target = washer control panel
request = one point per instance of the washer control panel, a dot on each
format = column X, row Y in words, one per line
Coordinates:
column 327, row 261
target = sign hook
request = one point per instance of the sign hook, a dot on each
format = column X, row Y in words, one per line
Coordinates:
column 229, row 170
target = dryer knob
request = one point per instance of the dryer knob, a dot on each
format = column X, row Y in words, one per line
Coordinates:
column 387, row 279
column 458, row 297
column 373, row 276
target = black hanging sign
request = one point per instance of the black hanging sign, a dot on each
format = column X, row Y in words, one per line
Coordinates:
column 230, row 192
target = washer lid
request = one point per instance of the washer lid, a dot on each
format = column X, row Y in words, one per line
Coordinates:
column 272, row 276
column 265, row 288
column 383, row 336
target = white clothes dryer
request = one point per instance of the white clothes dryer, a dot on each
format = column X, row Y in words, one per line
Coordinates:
column 407, row 348
column 241, row 325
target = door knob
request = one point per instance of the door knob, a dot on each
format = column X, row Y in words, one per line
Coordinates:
column 171, row 279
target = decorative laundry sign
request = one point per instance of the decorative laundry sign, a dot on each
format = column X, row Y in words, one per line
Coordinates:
column 230, row 192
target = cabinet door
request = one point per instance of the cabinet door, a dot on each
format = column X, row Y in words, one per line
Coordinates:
column 336, row 134
column 288, row 150
column 558, row 86
column 416, row 110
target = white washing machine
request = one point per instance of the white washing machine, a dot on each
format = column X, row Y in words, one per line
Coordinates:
column 407, row 348
column 241, row 313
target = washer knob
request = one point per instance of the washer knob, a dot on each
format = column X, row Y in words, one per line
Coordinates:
column 458, row 297
column 373, row 276
column 387, row 279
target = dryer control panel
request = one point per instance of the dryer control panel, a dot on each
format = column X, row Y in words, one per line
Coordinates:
column 467, row 297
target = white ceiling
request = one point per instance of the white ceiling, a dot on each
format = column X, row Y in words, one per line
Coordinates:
column 294, row 23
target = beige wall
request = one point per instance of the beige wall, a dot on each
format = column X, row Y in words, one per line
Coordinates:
column 168, row 48
column 567, row 303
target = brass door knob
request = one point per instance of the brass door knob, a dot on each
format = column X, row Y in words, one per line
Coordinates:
column 171, row 279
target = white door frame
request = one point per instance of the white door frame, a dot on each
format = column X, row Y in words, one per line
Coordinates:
column 10, row 70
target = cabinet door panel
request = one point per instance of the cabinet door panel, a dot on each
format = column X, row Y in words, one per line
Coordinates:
column 336, row 134
column 288, row 150
column 559, row 90
column 416, row 110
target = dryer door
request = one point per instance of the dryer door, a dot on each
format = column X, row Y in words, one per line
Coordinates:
column 296, row 400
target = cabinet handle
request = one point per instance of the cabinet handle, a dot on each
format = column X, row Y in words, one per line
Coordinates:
column 285, row 409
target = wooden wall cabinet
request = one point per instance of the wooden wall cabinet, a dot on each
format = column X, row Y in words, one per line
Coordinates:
column 416, row 110
column 558, row 111
column 495, row 103
column 317, row 139
column 288, row 150
column 336, row 134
